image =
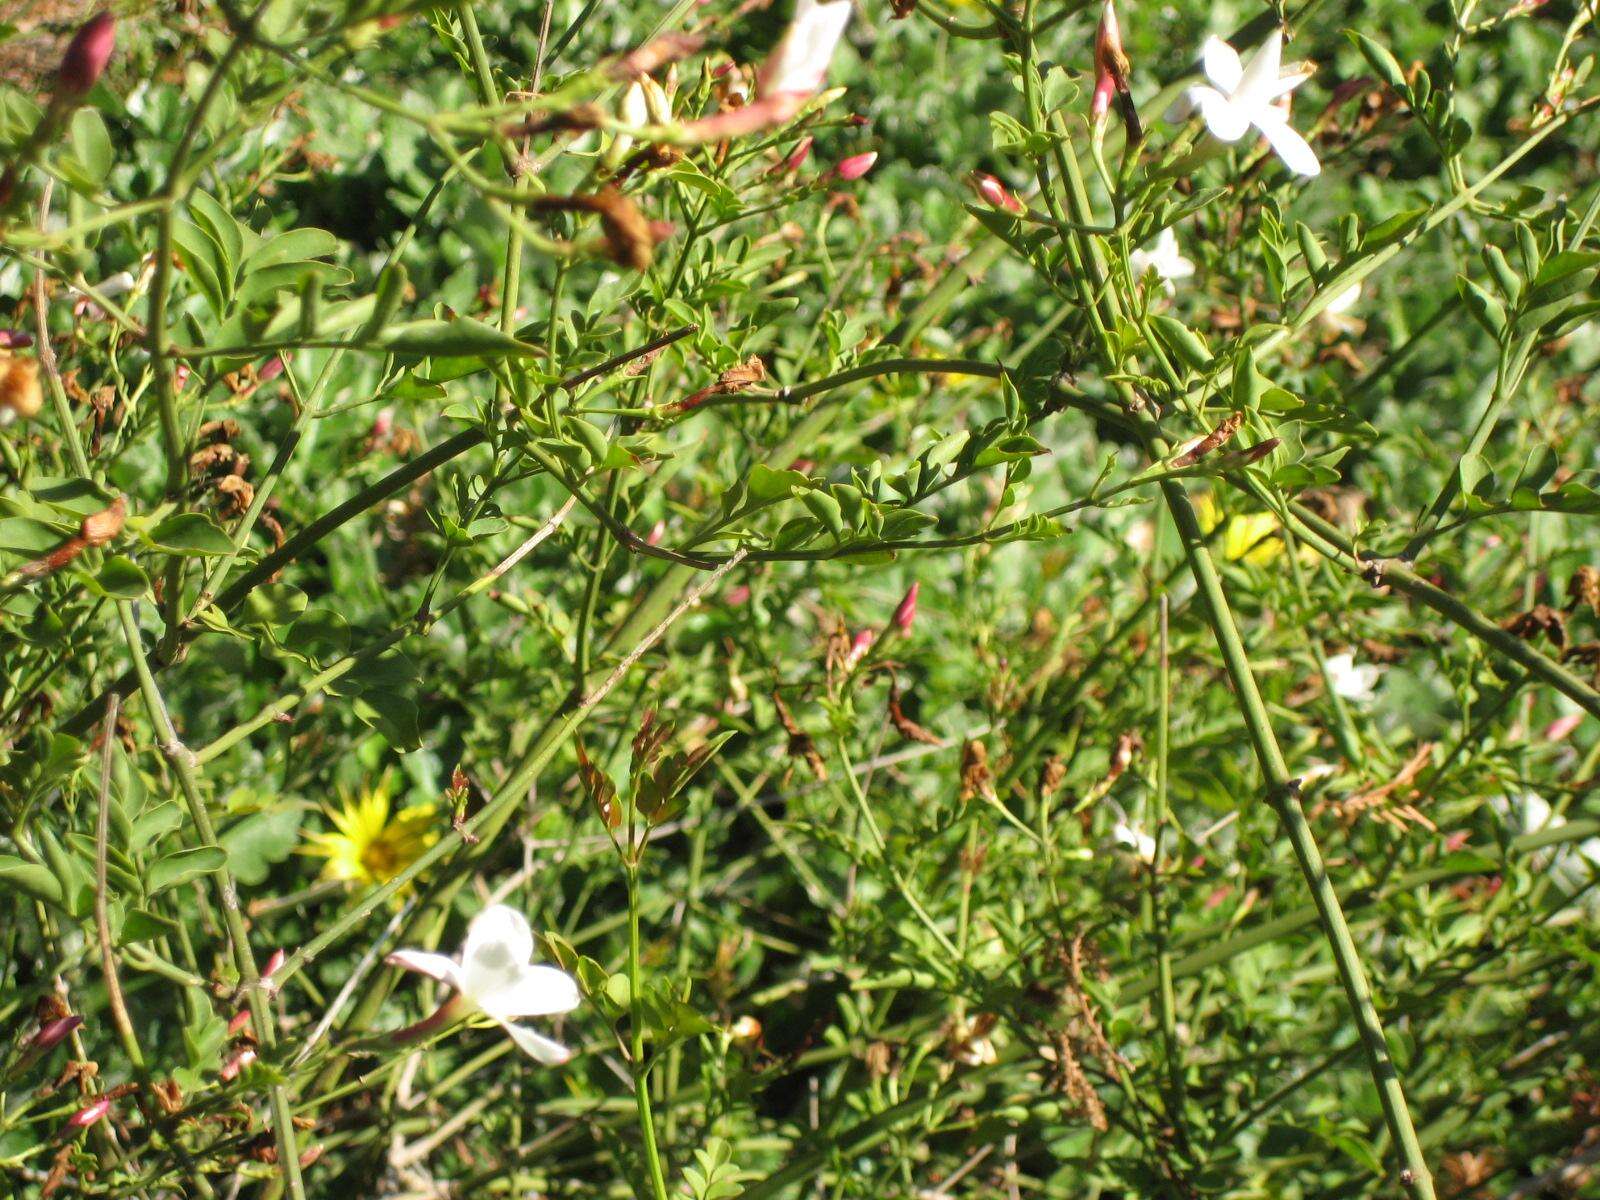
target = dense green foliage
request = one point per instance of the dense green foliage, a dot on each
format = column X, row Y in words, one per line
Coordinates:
column 414, row 522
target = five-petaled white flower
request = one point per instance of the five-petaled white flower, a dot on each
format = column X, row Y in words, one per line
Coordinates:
column 1164, row 259
column 1349, row 681
column 799, row 62
column 1247, row 96
column 495, row 978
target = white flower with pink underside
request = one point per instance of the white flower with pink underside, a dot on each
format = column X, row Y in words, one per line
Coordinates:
column 1242, row 97
column 493, row 977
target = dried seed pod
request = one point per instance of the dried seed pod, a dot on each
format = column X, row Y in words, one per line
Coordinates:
column 20, row 394
column 99, row 528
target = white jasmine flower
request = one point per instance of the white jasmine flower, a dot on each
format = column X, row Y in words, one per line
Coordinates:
column 1529, row 812
column 495, row 979
column 1570, row 866
column 1316, row 772
column 1350, row 682
column 1164, row 259
column 1344, row 301
column 1124, row 833
column 116, row 285
column 799, row 62
column 1244, row 97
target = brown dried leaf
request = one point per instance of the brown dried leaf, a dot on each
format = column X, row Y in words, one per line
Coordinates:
column 976, row 779
column 800, row 743
column 1217, row 437
column 1584, row 589
column 1541, row 618
column 906, row 727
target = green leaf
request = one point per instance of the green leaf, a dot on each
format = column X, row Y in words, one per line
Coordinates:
column 1182, row 341
column 142, row 925
column 182, row 866
column 30, row 879
column 223, row 227
column 1393, row 229
column 29, row 538
column 203, row 262
column 261, row 839
column 392, row 715
column 121, row 578
column 1485, row 309
column 91, row 148
column 191, row 535
column 297, row 245
column 1473, row 470
column 257, row 285
column 1383, row 63
column 153, row 824
column 765, row 484
column 463, row 336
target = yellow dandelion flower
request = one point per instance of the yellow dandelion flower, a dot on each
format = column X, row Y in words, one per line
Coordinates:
column 1247, row 537
column 370, row 843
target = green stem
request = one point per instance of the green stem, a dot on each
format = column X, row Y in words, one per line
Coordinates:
column 1156, row 914
column 881, row 846
column 640, row 1069
column 1282, row 792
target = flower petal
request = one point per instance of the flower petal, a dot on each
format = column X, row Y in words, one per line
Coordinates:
column 1287, row 84
column 1227, row 121
column 499, row 931
column 551, row 1054
column 434, row 966
column 1295, row 151
column 498, row 947
column 799, row 62
column 1261, row 75
column 1221, row 62
column 535, row 991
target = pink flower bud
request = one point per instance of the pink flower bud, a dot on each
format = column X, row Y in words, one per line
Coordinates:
column 799, row 154
column 657, row 532
column 14, row 339
column 180, row 377
column 1558, row 729
column 859, row 646
column 89, row 1114
column 239, row 1021
column 1457, row 840
column 737, row 595
column 994, row 193
column 1100, row 102
column 86, row 56
column 856, row 165
column 241, row 1060
column 52, row 1033
column 1110, row 64
column 275, row 962
column 905, row 612
column 272, row 370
